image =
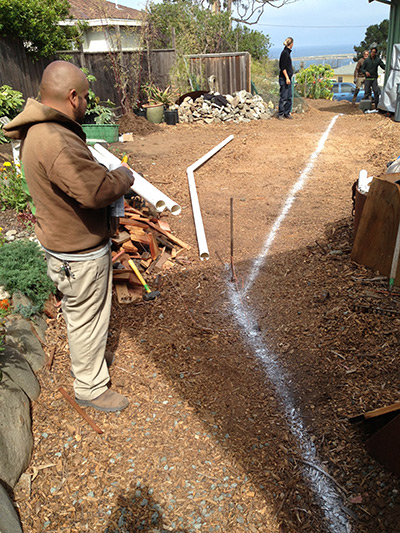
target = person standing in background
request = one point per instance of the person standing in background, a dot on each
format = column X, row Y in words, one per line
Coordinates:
column 285, row 80
column 370, row 69
column 359, row 77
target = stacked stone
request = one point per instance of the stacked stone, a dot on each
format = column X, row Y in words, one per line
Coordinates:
column 241, row 107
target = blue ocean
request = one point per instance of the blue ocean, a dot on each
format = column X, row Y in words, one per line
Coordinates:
column 317, row 52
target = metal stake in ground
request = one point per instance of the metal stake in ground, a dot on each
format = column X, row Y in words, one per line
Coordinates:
column 233, row 278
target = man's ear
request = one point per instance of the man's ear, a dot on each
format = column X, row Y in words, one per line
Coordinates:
column 73, row 98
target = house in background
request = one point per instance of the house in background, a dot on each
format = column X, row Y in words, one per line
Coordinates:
column 106, row 25
column 345, row 73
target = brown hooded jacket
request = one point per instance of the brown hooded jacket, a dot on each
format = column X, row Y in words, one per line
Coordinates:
column 70, row 190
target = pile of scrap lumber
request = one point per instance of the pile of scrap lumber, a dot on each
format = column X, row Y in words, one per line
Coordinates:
column 148, row 241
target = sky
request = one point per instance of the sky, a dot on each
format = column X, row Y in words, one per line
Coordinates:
column 314, row 22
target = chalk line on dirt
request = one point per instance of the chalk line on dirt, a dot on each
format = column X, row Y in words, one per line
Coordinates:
column 323, row 488
column 286, row 208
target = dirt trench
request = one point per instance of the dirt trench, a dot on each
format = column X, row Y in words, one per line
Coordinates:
column 206, row 443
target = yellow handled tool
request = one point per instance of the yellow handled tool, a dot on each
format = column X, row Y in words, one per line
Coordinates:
column 150, row 295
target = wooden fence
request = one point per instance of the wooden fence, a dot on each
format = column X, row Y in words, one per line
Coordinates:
column 232, row 71
column 22, row 73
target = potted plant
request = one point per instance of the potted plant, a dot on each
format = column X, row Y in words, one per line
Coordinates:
column 158, row 101
column 99, row 120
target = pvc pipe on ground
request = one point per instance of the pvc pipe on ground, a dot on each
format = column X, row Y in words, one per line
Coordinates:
column 198, row 220
column 141, row 186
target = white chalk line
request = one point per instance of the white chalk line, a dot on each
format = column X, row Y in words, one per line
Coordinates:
column 285, row 210
column 323, row 488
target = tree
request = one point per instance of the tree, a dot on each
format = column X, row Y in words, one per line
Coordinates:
column 35, row 22
column 245, row 40
column 246, row 11
column 198, row 30
column 375, row 35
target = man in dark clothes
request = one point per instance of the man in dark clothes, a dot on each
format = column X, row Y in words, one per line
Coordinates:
column 370, row 69
column 285, row 80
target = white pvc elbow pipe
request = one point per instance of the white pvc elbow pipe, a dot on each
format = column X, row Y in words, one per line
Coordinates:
column 141, row 186
column 198, row 220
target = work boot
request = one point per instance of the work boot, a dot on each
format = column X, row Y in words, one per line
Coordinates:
column 280, row 117
column 110, row 401
column 109, row 357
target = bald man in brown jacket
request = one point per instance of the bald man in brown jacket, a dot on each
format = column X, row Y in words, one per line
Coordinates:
column 72, row 194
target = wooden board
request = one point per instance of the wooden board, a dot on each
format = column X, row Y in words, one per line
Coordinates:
column 154, row 250
column 122, row 237
column 384, row 445
column 172, row 238
column 122, row 293
column 375, row 413
column 377, row 230
column 129, row 247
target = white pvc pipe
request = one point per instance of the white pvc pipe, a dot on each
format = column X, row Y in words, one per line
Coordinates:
column 141, row 186
column 198, row 220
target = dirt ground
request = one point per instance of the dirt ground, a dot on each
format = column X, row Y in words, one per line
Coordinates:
column 240, row 393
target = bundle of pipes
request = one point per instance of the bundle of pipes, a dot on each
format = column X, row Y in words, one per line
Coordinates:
column 141, row 186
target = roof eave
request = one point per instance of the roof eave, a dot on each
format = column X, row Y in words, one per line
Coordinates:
column 102, row 22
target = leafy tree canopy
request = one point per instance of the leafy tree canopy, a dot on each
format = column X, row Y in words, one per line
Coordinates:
column 375, row 35
column 201, row 31
column 35, row 22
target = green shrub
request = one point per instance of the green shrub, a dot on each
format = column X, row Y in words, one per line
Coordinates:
column 103, row 111
column 315, row 82
column 11, row 102
column 23, row 268
column 12, row 190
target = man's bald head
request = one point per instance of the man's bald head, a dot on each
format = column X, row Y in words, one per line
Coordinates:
column 62, row 87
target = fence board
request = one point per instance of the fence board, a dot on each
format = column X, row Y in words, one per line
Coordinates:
column 232, row 70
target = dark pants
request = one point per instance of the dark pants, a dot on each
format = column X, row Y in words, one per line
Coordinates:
column 285, row 100
column 372, row 84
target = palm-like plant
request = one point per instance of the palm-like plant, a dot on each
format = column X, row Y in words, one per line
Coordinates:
column 155, row 95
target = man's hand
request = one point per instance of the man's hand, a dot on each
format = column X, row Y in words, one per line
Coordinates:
column 125, row 165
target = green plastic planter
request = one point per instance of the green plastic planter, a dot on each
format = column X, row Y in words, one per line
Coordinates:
column 106, row 132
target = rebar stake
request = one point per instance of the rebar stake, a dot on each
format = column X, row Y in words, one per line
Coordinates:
column 233, row 278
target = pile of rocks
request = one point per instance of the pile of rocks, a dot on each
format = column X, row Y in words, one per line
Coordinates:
column 215, row 108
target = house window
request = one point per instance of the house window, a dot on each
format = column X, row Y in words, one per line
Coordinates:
column 340, row 79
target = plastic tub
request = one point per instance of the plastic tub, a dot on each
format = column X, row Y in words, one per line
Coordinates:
column 106, row 132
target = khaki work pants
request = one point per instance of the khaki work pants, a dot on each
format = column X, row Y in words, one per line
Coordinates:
column 86, row 307
column 360, row 82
